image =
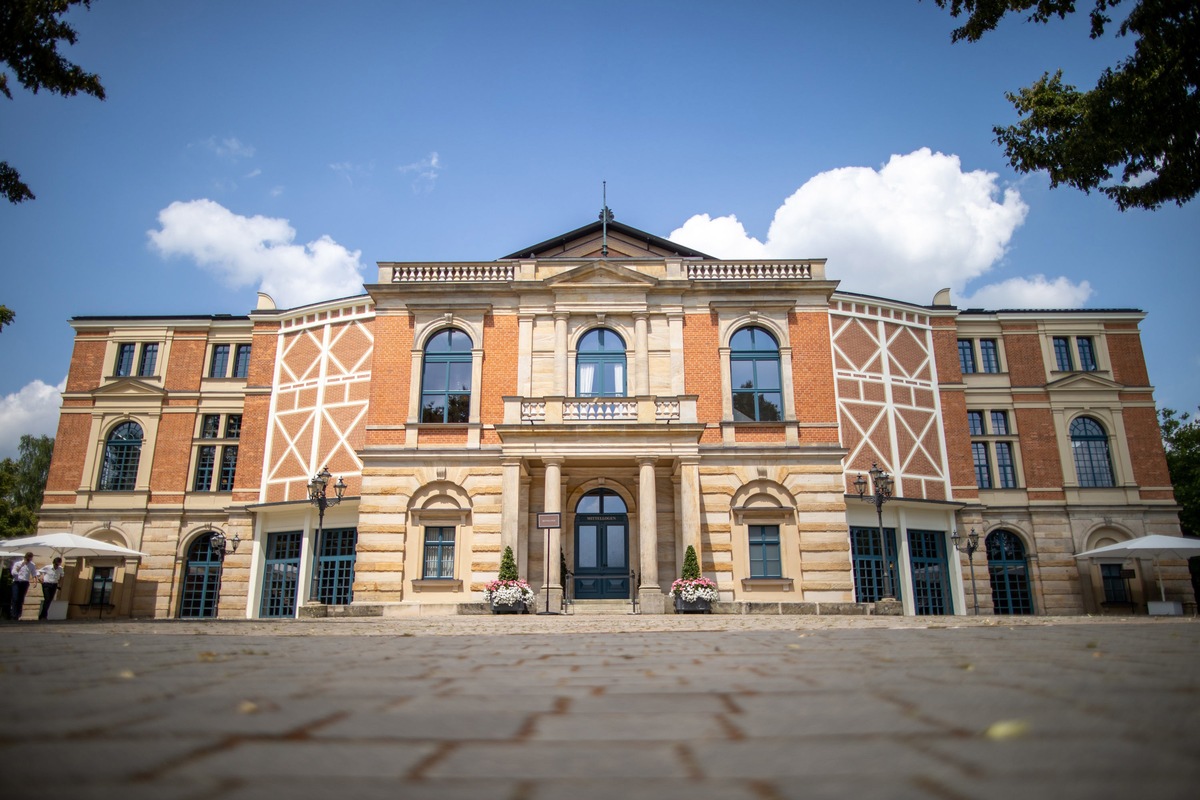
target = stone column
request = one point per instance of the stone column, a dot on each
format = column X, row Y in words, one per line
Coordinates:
column 650, row 596
column 560, row 353
column 510, row 505
column 689, row 504
column 551, row 590
column 641, row 343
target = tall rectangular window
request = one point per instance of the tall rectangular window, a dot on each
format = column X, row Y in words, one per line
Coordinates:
column 966, row 356
column 206, row 460
column 989, row 355
column 1062, row 354
column 439, row 552
column 219, row 367
column 1087, row 354
column 1006, row 470
column 148, row 360
column 124, row 365
column 233, row 426
column 975, row 422
column 765, row 559
column 228, row 468
column 241, row 361
column 1116, row 586
column 335, row 567
column 983, row 471
column 1000, row 423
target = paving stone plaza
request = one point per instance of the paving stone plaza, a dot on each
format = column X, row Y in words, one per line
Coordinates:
column 526, row 708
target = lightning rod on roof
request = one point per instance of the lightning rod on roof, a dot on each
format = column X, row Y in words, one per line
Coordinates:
column 606, row 216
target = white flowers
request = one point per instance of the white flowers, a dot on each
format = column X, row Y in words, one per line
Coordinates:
column 508, row 593
column 692, row 589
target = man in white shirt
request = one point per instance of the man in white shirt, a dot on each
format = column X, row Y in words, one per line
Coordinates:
column 23, row 572
column 50, row 577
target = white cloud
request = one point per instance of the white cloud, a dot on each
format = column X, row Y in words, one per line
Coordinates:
column 917, row 224
column 1036, row 291
column 426, row 172
column 244, row 251
column 32, row 410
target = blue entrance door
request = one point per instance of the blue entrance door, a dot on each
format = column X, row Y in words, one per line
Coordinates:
column 601, row 547
column 930, row 572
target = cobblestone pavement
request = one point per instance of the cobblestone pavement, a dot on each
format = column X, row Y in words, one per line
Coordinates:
column 527, row 708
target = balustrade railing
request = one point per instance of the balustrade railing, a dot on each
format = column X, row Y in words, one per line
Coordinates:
column 577, row 410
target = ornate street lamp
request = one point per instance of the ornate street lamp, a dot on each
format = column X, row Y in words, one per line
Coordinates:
column 881, row 484
column 317, row 489
column 221, row 545
column 971, row 546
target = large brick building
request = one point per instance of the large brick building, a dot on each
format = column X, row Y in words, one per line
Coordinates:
column 653, row 396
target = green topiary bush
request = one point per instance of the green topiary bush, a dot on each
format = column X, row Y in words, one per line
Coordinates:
column 508, row 566
column 691, row 567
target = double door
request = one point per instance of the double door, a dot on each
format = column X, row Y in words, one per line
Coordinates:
column 601, row 556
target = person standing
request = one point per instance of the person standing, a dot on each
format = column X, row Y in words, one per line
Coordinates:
column 50, row 577
column 23, row 572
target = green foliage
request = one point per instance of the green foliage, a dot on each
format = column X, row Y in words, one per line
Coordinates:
column 30, row 31
column 691, row 565
column 6, row 316
column 508, row 566
column 22, row 483
column 1181, row 438
column 1141, row 120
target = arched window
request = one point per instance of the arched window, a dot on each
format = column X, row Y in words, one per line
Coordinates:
column 201, row 579
column 1009, row 572
column 1089, row 444
column 446, row 378
column 600, row 364
column 122, row 452
column 754, row 374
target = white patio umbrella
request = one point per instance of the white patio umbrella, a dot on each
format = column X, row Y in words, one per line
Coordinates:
column 1154, row 547
column 68, row 545
column 7, row 554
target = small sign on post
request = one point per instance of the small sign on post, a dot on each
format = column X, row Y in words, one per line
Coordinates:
column 547, row 522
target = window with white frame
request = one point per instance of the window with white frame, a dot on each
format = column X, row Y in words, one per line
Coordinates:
column 993, row 458
column 446, row 377
column 600, row 366
column 755, row 374
column 136, row 358
column 1093, row 459
column 122, row 454
column 1075, row 353
column 229, row 361
column 217, row 453
column 985, row 359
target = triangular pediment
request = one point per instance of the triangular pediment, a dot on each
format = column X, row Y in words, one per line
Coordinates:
column 1083, row 381
column 600, row 273
column 128, row 388
column 623, row 241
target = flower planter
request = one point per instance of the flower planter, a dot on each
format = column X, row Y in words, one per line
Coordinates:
column 519, row 607
column 692, row 606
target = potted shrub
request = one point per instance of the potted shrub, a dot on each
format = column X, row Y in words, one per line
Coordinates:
column 692, row 593
column 508, row 594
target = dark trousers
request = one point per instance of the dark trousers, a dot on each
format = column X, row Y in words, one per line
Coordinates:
column 48, row 592
column 20, row 589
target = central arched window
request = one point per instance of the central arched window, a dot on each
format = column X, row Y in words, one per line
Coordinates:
column 122, row 451
column 755, row 377
column 201, row 579
column 446, row 378
column 1089, row 445
column 1008, row 569
column 600, row 364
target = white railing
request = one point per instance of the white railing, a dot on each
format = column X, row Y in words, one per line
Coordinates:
column 752, row 270
column 451, row 273
column 586, row 410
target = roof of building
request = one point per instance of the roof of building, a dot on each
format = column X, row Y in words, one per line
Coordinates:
column 544, row 249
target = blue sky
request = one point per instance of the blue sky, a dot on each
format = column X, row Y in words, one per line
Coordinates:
column 291, row 145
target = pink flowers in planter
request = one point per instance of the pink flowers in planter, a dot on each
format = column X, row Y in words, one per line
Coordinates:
column 692, row 589
column 508, row 592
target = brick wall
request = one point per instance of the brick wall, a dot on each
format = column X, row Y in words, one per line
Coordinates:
column 702, row 369
column 1125, row 351
column 1039, row 452
column 1023, row 346
column 499, row 367
column 812, row 376
column 390, row 367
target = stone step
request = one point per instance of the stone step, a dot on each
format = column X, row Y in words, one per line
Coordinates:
column 580, row 607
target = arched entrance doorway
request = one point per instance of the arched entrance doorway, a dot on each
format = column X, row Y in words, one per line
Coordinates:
column 601, row 546
column 201, row 579
column 1009, row 572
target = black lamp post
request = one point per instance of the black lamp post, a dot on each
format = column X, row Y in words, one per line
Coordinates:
column 881, row 484
column 317, row 489
column 971, row 546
